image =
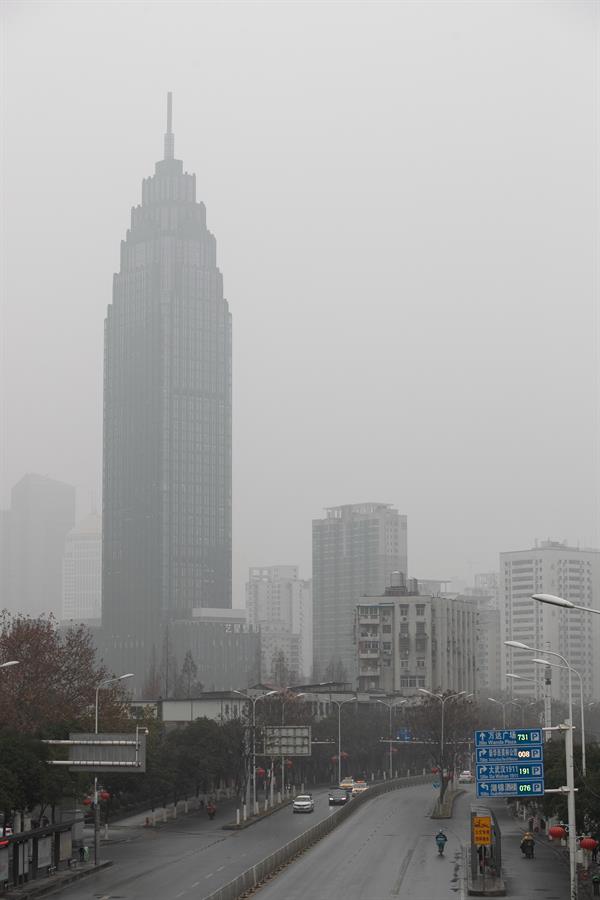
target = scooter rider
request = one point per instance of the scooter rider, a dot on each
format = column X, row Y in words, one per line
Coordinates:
column 440, row 840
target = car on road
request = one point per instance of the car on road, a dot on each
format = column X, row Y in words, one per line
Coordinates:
column 359, row 787
column 303, row 803
column 346, row 784
column 338, row 796
column 466, row 777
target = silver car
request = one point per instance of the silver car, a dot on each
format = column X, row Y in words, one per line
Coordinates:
column 303, row 803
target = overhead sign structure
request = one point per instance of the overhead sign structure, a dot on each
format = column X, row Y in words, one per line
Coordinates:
column 287, row 740
column 103, row 752
column 482, row 831
column 510, row 762
column 404, row 734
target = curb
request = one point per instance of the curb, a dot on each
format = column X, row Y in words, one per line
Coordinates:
column 233, row 826
column 39, row 889
column 446, row 813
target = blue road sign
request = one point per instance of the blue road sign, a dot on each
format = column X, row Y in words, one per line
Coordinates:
column 435, row 785
column 507, row 754
column 510, row 736
column 404, row 734
column 509, row 771
column 510, row 788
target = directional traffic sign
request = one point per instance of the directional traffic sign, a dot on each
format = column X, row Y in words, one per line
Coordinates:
column 510, row 762
column 507, row 754
column 510, row 788
column 508, row 736
column 404, row 734
column 509, row 770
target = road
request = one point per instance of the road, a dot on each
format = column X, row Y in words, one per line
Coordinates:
column 190, row 857
column 385, row 850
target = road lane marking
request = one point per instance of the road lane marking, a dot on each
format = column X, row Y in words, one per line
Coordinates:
column 220, row 867
column 195, row 884
column 210, row 875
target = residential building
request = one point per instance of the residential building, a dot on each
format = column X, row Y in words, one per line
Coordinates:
column 42, row 513
column 167, row 422
column 82, row 572
column 406, row 641
column 355, row 547
column 489, row 649
column 279, row 602
column 551, row 567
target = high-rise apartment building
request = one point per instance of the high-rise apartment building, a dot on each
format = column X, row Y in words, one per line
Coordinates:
column 280, row 604
column 82, row 572
column 552, row 568
column 355, row 549
column 406, row 641
column 167, row 421
column 42, row 512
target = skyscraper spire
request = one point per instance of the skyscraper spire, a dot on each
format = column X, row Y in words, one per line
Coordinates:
column 169, row 136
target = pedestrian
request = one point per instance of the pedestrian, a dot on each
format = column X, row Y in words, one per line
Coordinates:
column 530, row 823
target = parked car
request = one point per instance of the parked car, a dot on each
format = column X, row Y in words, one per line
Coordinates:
column 466, row 777
column 338, row 796
column 303, row 803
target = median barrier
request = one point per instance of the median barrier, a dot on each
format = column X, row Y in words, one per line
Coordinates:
column 256, row 874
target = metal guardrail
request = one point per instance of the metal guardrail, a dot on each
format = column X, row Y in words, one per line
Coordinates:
column 257, row 873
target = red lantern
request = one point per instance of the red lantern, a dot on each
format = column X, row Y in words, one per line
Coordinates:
column 87, row 801
column 288, row 764
column 557, row 833
column 588, row 843
column 334, row 759
column 434, row 770
column 344, row 755
column 104, row 795
column 261, row 772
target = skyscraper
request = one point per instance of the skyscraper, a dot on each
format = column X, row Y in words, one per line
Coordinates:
column 42, row 512
column 552, row 567
column 355, row 550
column 82, row 571
column 167, row 420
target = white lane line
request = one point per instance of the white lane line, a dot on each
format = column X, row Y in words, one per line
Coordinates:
column 210, row 875
column 195, row 884
column 179, row 895
column 220, row 867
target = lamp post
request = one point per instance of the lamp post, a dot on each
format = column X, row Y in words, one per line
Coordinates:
column 503, row 704
column 570, row 772
column 339, row 704
column 390, row 707
column 544, row 662
column 284, row 700
column 254, row 701
column 443, row 700
column 102, row 684
column 11, row 662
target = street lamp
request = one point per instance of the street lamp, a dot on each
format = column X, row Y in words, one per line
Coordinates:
column 443, row 700
column 503, row 704
column 544, row 662
column 519, row 645
column 560, row 601
column 339, row 704
column 284, row 700
column 254, row 701
column 11, row 662
column 390, row 707
column 102, row 684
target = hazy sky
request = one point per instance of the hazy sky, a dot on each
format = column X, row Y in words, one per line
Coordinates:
column 405, row 200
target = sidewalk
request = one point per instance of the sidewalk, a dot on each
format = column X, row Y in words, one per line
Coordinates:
column 546, row 877
column 53, row 883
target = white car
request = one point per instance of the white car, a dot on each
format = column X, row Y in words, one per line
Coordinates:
column 303, row 803
column 466, row 777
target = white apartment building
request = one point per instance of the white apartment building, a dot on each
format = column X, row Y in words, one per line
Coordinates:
column 406, row 641
column 279, row 602
column 555, row 568
column 82, row 572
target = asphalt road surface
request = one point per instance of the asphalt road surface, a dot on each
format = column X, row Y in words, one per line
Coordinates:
column 190, row 857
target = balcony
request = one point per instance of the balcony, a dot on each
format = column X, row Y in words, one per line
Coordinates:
column 372, row 619
column 368, row 669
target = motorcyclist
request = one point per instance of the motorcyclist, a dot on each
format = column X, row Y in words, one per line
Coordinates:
column 440, row 840
column 211, row 809
column 527, row 844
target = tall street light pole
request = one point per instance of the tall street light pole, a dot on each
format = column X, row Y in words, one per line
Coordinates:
column 544, row 662
column 254, row 701
column 284, row 700
column 102, row 684
column 390, row 707
column 503, row 704
column 547, row 702
column 517, row 645
column 339, row 704
column 11, row 662
column 443, row 700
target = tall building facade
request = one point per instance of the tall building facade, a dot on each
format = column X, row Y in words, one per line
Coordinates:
column 167, row 420
column 355, row 549
column 42, row 512
column 279, row 602
column 82, row 572
column 551, row 567
column 406, row 641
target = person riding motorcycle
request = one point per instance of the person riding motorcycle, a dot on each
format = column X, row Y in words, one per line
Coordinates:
column 211, row 809
column 440, row 840
column 527, row 845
